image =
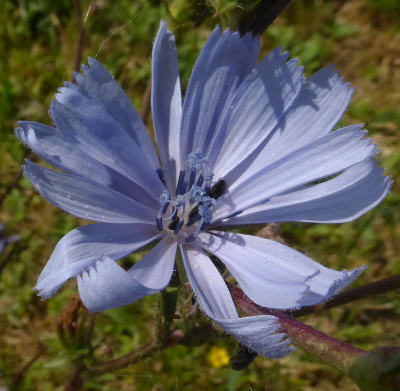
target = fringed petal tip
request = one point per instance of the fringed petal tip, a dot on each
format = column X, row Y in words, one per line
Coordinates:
column 234, row 34
column 19, row 132
column 280, row 51
column 311, row 297
column 25, row 131
column 163, row 29
column 97, row 291
column 107, row 285
column 77, row 77
column 279, row 350
column 282, row 352
column 44, row 293
column 96, row 66
column 346, row 280
column 259, row 333
column 49, row 283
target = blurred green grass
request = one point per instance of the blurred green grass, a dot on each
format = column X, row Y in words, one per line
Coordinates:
column 37, row 49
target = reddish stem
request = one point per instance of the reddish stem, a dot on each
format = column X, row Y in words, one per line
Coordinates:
column 337, row 353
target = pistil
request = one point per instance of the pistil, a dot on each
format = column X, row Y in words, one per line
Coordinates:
column 191, row 210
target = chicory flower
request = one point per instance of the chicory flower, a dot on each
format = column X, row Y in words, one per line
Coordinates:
column 252, row 143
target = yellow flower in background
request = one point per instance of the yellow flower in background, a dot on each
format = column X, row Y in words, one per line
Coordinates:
column 218, row 357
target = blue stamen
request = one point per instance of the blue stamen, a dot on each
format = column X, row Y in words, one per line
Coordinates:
column 180, row 189
column 174, row 213
column 203, row 225
column 179, row 202
column 194, row 190
column 192, row 177
column 200, row 181
column 164, row 208
column 164, row 197
column 178, row 227
column 159, row 223
column 208, row 178
column 196, row 193
column 205, row 210
column 165, row 200
column 160, row 173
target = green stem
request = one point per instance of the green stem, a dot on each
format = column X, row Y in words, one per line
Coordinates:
column 181, row 269
column 168, row 301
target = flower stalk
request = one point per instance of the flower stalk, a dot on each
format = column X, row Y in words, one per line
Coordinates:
column 129, row 359
column 339, row 354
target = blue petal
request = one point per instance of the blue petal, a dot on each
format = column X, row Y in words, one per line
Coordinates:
column 316, row 110
column 326, row 156
column 85, row 198
column 166, row 102
column 82, row 247
column 95, row 131
column 260, row 275
column 259, row 106
column 246, row 256
column 257, row 332
column 99, row 86
column 106, row 285
column 260, row 334
column 224, row 62
column 66, row 154
column 343, row 198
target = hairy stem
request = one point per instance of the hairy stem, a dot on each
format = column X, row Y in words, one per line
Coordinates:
column 19, row 376
column 145, row 108
column 75, row 380
column 337, row 353
column 132, row 358
column 145, row 351
column 81, row 32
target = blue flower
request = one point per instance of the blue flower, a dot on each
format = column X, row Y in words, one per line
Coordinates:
column 253, row 143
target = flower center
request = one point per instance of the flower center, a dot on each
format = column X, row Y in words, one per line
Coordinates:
column 190, row 211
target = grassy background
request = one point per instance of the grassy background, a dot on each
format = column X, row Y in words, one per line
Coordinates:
column 37, row 48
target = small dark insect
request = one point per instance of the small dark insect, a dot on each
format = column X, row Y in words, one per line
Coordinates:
column 193, row 213
column 173, row 223
column 218, row 189
column 242, row 358
column 217, row 263
column 215, row 192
